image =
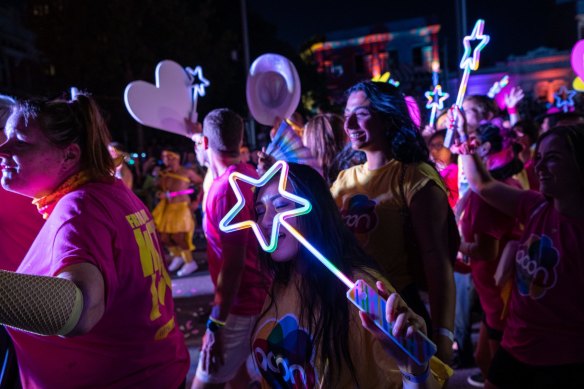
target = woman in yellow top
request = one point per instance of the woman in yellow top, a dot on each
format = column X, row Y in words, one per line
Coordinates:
column 395, row 189
column 309, row 334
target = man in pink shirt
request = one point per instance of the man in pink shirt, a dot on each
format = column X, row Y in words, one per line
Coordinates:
column 240, row 286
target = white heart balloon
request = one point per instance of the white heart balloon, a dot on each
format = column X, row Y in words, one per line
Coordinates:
column 164, row 105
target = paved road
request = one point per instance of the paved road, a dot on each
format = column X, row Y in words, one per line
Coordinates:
column 193, row 297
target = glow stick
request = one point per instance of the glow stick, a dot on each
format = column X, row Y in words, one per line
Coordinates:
column 198, row 85
column 365, row 298
column 468, row 63
column 435, row 102
column 497, row 86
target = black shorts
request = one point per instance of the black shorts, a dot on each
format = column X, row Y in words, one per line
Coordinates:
column 508, row 372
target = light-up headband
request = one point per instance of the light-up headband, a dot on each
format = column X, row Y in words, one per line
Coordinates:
column 467, row 63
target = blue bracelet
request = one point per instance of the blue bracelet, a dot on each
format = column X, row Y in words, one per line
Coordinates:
column 416, row 379
column 445, row 332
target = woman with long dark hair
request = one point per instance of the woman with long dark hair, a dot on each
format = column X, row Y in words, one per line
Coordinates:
column 396, row 204
column 308, row 332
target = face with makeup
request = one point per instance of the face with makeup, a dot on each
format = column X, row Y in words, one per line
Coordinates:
column 268, row 204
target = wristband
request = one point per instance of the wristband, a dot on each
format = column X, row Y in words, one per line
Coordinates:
column 512, row 110
column 416, row 379
column 214, row 325
column 217, row 321
column 445, row 332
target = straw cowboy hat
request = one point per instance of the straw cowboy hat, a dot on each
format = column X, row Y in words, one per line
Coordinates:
column 273, row 88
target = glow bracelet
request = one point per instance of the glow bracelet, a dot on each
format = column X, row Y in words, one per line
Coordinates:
column 467, row 64
column 189, row 191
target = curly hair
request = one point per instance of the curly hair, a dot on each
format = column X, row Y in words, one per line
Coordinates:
column 406, row 142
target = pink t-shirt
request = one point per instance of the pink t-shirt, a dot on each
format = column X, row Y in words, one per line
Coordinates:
column 221, row 198
column 20, row 223
column 450, row 176
column 479, row 217
column 546, row 313
column 137, row 342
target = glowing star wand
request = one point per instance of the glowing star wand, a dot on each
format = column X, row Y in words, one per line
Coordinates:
column 468, row 63
column 435, row 102
column 198, row 84
column 366, row 298
column 497, row 86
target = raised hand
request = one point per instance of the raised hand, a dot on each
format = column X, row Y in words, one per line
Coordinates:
column 514, row 97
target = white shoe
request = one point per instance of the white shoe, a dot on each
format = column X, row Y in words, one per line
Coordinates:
column 188, row 268
column 176, row 263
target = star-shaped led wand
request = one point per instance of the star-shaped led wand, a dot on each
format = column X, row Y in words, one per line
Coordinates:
column 198, row 84
column 435, row 102
column 467, row 63
column 564, row 99
column 366, row 298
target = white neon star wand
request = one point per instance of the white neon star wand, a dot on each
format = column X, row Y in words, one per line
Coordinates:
column 198, row 85
column 365, row 297
column 435, row 102
column 467, row 64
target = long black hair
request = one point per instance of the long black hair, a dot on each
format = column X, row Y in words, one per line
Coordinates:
column 324, row 307
column 406, row 142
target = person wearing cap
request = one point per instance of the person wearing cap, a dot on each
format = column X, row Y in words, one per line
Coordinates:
column 240, row 286
column 173, row 216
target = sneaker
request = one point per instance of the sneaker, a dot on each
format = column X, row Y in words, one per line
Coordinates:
column 477, row 380
column 188, row 268
column 175, row 264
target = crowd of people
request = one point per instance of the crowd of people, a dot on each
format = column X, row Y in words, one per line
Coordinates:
column 85, row 282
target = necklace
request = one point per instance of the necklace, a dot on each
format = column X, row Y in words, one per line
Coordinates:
column 46, row 204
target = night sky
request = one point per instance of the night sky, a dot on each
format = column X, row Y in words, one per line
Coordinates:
column 515, row 26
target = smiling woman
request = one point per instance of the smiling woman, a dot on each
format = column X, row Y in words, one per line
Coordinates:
column 98, row 239
column 398, row 189
column 542, row 341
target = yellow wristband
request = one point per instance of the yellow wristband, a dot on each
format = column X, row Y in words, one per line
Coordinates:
column 217, row 321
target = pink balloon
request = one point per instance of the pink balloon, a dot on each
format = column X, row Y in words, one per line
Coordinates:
column 577, row 59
